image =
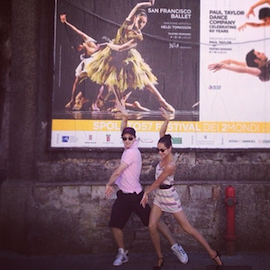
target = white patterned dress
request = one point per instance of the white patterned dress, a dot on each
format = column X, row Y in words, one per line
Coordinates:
column 167, row 200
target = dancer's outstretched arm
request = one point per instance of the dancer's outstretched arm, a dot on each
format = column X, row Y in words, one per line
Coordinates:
column 236, row 68
column 138, row 6
column 63, row 18
column 251, row 10
column 252, row 24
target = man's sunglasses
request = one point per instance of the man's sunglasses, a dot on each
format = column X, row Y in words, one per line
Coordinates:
column 127, row 138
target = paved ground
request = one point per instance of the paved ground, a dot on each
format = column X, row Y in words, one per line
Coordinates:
column 197, row 261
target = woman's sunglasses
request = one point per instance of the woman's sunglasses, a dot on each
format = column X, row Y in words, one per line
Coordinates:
column 127, row 138
column 161, row 150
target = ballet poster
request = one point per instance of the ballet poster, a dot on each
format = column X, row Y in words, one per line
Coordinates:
column 188, row 57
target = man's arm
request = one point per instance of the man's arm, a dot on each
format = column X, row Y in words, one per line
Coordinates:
column 121, row 107
column 235, row 68
column 234, row 62
column 113, row 178
column 253, row 24
column 124, row 122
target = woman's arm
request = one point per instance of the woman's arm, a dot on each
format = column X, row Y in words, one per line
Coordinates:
column 169, row 170
column 138, row 6
column 164, row 126
column 126, row 46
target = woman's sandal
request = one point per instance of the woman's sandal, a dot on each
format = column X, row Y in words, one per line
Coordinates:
column 159, row 265
column 217, row 259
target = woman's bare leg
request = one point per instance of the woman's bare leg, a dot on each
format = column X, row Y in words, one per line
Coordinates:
column 163, row 228
column 153, row 229
column 184, row 223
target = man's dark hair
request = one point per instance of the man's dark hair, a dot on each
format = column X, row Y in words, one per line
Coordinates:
column 250, row 59
column 264, row 13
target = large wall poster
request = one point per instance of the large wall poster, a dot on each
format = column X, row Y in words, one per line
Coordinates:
column 233, row 97
column 183, row 52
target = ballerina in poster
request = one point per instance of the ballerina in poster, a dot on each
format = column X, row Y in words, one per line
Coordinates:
column 120, row 66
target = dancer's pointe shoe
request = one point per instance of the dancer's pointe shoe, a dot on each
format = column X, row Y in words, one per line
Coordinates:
column 113, row 110
column 94, row 107
column 69, row 105
column 159, row 264
column 136, row 104
column 167, row 106
column 217, row 259
column 79, row 103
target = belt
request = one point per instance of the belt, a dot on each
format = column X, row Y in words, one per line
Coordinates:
column 165, row 186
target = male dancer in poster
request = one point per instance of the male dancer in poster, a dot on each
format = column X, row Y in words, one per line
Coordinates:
column 257, row 64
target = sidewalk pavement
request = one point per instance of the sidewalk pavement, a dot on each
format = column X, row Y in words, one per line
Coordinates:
column 197, row 261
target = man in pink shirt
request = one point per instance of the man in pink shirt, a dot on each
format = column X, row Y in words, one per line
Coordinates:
column 130, row 193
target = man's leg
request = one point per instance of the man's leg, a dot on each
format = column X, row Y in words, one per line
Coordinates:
column 119, row 217
column 119, row 237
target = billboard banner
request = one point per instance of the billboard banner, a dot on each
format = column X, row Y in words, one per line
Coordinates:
column 204, row 61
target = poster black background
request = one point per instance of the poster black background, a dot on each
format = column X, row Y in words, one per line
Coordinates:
column 177, row 69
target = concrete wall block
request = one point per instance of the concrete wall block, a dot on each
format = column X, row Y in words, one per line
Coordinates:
column 141, row 233
column 198, row 192
column 183, row 191
column 216, row 192
column 188, row 159
column 75, row 170
column 98, row 192
column 85, row 191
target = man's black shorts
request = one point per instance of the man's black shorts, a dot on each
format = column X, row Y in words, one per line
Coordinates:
column 124, row 205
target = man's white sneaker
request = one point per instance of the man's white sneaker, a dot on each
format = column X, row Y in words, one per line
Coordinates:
column 122, row 257
column 180, row 253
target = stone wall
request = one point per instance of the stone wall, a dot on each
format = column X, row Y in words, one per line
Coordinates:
column 53, row 202
column 51, row 218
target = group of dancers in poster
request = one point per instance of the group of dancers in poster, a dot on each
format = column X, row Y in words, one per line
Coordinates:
column 118, row 68
column 116, row 65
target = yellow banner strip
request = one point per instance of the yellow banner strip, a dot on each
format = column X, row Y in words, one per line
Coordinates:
column 154, row 126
